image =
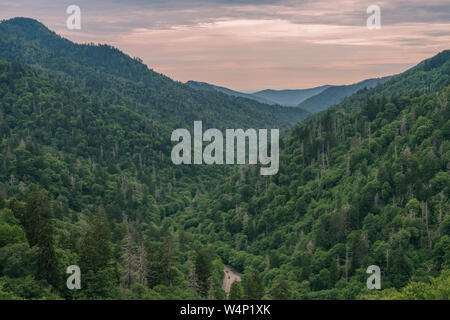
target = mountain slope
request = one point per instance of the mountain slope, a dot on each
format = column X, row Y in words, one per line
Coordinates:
column 335, row 94
column 86, row 175
column 107, row 73
column 363, row 183
column 428, row 76
column 86, row 182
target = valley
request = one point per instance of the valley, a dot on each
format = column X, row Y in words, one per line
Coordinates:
column 87, row 180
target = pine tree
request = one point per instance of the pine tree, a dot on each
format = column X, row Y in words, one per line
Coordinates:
column 281, row 290
column 253, row 286
column 95, row 250
column 100, row 277
column 202, row 271
column 236, row 291
column 166, row 260
column 36, row 218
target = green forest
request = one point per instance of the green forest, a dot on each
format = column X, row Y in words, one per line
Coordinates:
column 87, row 180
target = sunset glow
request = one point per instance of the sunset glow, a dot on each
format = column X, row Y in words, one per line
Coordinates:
column 258, row 44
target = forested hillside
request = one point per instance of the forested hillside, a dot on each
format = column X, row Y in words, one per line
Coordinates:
column 427, row 77
column 110, row 75
column 355, row 188
column 89, row 183
column 87, row 180
column 87, row 177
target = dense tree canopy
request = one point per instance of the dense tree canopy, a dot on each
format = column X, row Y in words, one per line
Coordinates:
column 86, row 179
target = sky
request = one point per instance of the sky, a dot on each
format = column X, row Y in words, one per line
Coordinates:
column 251, row 45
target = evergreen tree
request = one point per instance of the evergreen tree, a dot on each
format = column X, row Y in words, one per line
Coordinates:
column 236, row 291
column 253, row 286
column 36, row 217
column 100, row 277
column 95, row 247
column 202, row 271
column 281, row 291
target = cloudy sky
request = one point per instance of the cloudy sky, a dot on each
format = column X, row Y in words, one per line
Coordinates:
column 251, row 45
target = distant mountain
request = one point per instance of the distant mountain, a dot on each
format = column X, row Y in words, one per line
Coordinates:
column 311, row 100
column 290, row 98
column 210, row 87
column 335, row 94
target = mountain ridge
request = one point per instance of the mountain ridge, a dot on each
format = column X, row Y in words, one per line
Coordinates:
column 210, row 87
column 290, row 97
column 311, row 100
column 109, row 73
column 335, row 94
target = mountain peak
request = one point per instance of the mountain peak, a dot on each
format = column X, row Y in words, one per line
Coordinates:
column 25, row 23
column 28, row 28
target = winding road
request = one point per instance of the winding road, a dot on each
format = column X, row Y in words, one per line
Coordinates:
column 229, row 278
